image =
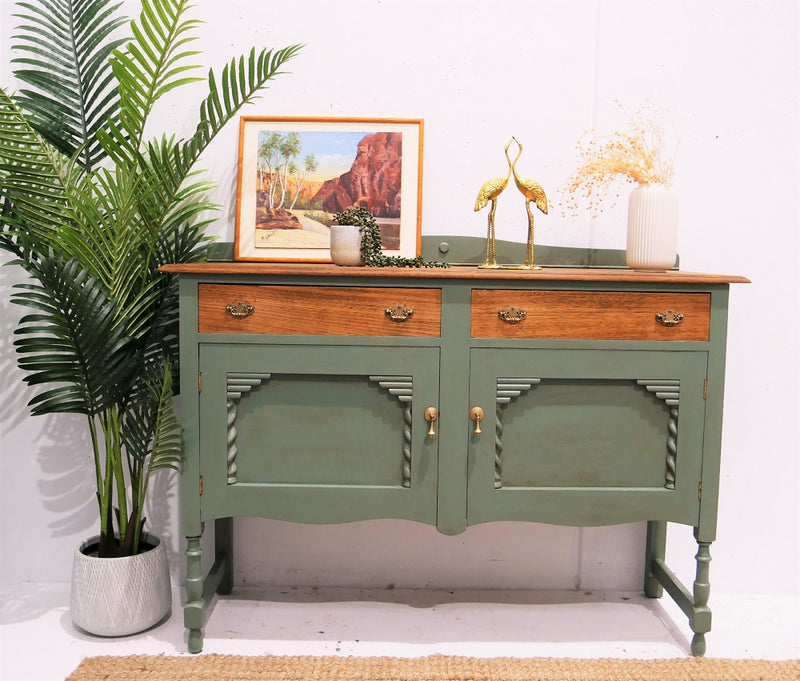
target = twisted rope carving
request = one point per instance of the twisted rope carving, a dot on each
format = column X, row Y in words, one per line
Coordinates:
column 402, row 387
column 668, row 390
column 498, row 448
column 407, row 445
column 233, row 451
column 238, row 385
column 672, row 448
column 507, row 389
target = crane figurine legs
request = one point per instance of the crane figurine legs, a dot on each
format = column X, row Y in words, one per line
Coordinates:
column 490, row 261
column 529, row 250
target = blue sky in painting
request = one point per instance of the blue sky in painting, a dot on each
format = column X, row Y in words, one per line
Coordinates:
column 334, row 150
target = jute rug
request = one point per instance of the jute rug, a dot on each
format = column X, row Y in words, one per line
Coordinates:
column 435, row 668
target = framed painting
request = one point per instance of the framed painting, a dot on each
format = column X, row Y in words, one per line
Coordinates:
column 295, row 174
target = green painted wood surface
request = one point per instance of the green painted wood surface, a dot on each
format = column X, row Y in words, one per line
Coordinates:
column 321, row 441
column 587, row 445
column 472, row 250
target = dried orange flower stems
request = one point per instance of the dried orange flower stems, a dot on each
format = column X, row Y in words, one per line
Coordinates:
column 634, row 155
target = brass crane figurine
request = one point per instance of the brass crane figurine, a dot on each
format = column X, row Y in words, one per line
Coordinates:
column 490, row 190
column 533, row 192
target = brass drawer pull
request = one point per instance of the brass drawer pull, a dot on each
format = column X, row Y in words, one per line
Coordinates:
column 669, row 318
column 512, row 315
column 399, row 313
column 239, row 309
column 431, row 414
column 477, row 415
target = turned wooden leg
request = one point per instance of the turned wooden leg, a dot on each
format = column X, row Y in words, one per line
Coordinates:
column 655, row 548
column 193, row 610
column 701, row 617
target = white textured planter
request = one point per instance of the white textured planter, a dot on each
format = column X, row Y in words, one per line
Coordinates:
column 346, row 244
column 120, row 596
column 652, row 227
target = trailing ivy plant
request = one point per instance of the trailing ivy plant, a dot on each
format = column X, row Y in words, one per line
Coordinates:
column 372, row 245
column 91, row 208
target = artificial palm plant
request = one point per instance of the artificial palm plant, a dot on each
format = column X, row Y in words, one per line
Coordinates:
column 91, row 208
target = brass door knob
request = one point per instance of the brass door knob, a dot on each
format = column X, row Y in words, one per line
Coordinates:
column 477, row 414
column 431, row 414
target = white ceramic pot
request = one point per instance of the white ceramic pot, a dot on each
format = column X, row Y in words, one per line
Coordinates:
column 346, row 244
column 652, row 227
column 120, row 596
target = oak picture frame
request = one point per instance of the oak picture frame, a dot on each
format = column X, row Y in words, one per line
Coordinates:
column 295, row 173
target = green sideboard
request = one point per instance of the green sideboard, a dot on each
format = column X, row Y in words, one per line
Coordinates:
column 578, row 396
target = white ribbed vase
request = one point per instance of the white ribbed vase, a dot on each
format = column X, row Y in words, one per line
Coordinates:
column 346, row 244
column 652, row 227
column 120, row 596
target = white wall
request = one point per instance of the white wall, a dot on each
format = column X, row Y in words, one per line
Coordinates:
column 543, row 70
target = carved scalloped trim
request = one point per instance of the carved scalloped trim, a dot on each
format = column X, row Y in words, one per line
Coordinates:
column 401, row 387
column 238, row 384
column 508, row 389
column 668, row 390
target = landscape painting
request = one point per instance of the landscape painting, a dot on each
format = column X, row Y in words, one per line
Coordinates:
column 296, row 174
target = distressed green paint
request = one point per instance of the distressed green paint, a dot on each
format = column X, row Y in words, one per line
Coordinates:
column 603, row 432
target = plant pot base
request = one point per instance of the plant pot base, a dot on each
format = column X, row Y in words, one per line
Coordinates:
column 346, row 245
column 120, row 596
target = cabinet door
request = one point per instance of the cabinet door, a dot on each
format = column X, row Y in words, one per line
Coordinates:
column 586, row 437
column 318, row 433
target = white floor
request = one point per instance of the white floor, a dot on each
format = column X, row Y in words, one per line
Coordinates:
column 38, row 640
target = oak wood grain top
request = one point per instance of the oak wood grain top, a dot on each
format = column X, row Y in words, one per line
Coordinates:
column 455, row 272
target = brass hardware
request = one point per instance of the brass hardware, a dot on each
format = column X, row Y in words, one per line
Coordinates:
column 399, row 313
column 669, row 318
column 700, row 491
column 705, row 389
column 431, row 414
column 239, row 309
column 512, row 315
column 201, row 485
column 477, row 414
column 199, row 382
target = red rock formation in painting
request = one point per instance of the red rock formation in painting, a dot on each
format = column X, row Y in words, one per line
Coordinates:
column 373, row 181
column 275, row 218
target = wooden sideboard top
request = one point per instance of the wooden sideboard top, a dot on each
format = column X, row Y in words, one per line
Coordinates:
column 455, row 272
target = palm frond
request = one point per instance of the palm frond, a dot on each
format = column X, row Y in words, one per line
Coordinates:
column 35, row 180
column 72, row 339
column 101, row 333
column 112, row 234
column 65, row 45
column 154, row 62
column 152, row 433
column 241, row 80
column 152, row 437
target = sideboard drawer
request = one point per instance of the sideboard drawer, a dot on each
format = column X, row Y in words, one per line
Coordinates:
column 593, row 315
column 319, row 310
